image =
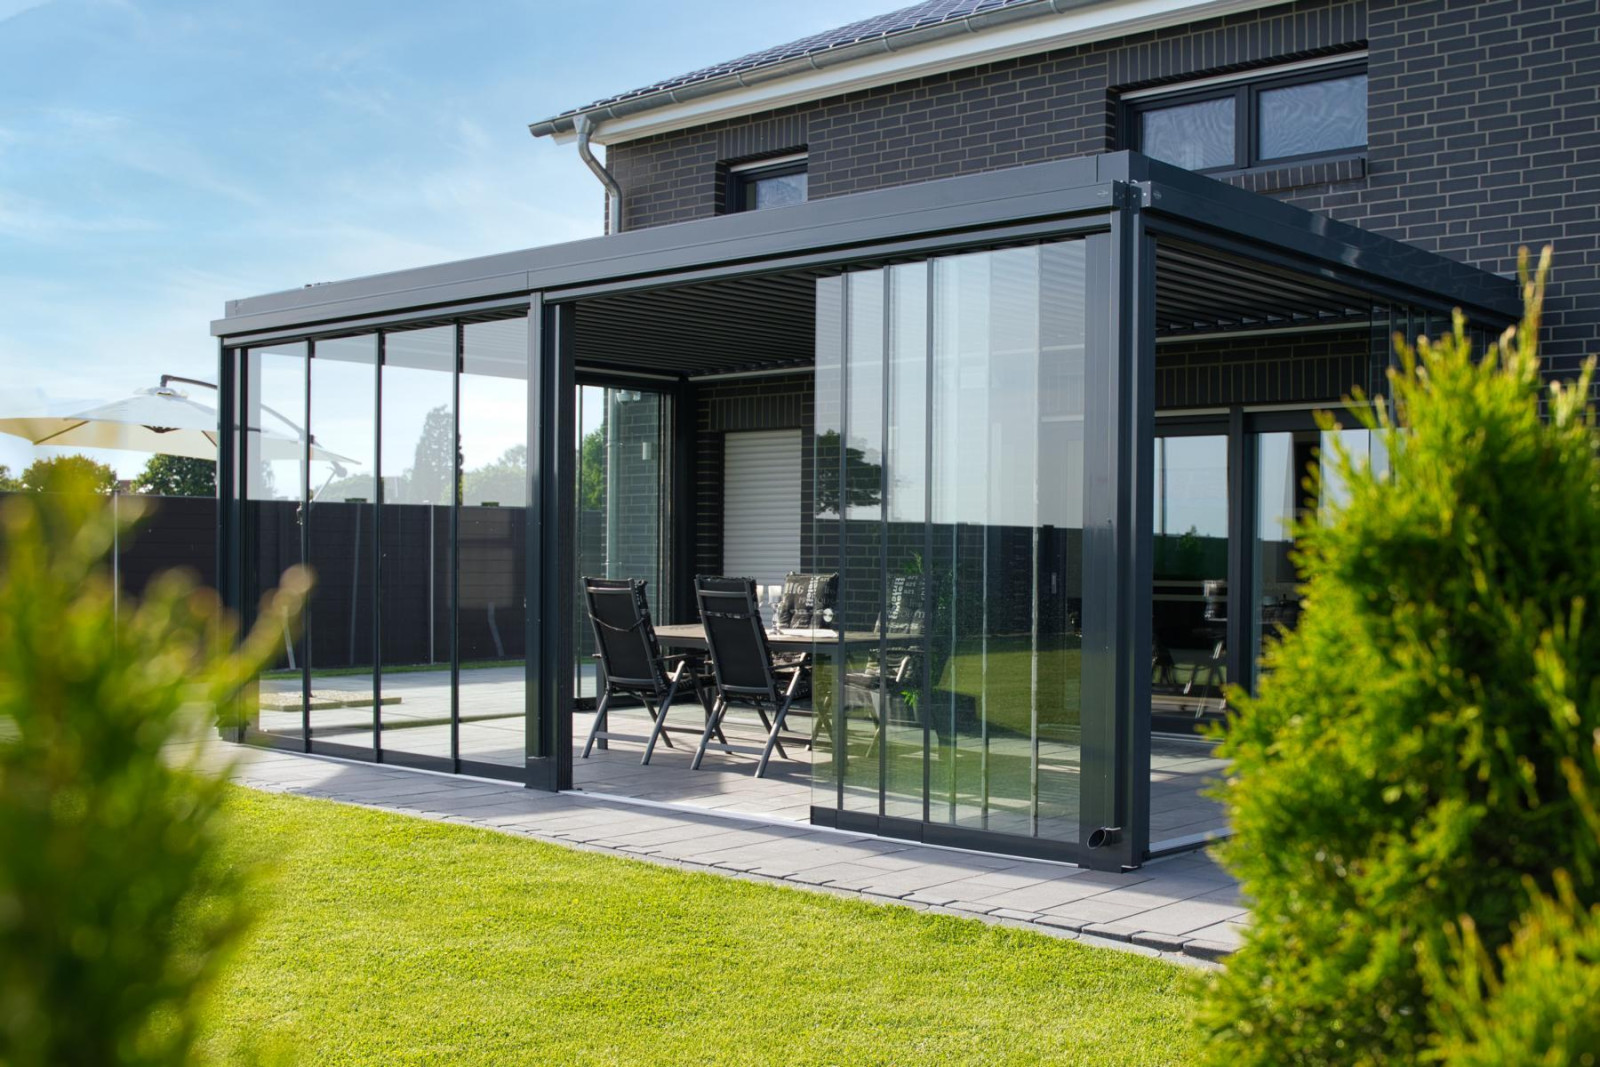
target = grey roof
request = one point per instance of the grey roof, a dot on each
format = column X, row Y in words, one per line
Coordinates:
column 869, row 36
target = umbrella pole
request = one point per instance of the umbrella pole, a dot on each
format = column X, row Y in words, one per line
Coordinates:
column 116, row 554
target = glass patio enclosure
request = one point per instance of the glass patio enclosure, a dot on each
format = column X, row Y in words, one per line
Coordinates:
column 981, row 473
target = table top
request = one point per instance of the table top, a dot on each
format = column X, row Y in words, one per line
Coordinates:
column 693, row 635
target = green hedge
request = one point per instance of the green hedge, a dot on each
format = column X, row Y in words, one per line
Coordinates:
column 1422, row 747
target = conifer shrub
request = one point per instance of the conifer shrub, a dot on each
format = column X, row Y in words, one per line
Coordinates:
column 1536, row 1005
column 1420, row 748
column 116, row 911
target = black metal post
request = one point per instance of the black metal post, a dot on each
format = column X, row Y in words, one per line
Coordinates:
column 453, row 550
column 228, row 519
column 551, row 464
column 1117, row 539
column 304, row 514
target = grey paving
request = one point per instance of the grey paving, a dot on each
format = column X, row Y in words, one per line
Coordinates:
column 1184, row 908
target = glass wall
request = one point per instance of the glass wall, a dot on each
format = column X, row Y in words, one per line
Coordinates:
column 395, row 462
column 1189, row 595
column 1285, row 496
column 274, row 465
column 418, row 469
column 493, row 613
column 621, row 450
column 948, row 495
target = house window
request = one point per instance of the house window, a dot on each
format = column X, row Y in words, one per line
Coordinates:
column 767, row 183
column 1284, row 115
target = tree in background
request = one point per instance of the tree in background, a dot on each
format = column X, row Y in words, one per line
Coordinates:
column 592, row 470
column 503, row 481
column 117, row 910
column 177, row 476
column 1412, row 791
column 9, row 483
column 48, row 471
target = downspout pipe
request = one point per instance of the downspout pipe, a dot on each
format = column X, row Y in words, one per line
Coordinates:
column 585, row 128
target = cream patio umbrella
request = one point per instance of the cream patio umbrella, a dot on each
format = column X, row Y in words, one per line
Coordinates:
column 163, row 420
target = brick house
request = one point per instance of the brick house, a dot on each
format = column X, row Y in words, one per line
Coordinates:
column 1011, row 314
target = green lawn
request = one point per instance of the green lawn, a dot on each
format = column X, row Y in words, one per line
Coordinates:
column 392, row 940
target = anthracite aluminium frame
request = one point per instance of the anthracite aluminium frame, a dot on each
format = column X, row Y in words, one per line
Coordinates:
column 1245, row 94
column 1123, row 205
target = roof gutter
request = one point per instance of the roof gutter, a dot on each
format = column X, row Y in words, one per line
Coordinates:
column 1117, row 18
column 585, row 126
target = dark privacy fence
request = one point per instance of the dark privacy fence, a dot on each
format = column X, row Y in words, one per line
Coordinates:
column 415, row 580
column 176, row 532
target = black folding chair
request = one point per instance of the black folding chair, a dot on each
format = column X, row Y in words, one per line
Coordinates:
column 742, row 666
column 631, row 662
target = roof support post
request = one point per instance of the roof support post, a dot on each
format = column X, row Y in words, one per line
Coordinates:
column 551, row 500
column 1119, row 427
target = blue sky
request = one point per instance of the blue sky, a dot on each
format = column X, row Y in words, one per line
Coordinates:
column 158, row 158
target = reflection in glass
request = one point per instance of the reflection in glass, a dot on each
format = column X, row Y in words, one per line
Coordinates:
column 860, row 577
column 418, row 469
column 775, row 190
column 1319, row 116
column 340, row 521
column 621, row 445
column 1198, row 136
column 1189, row 612
column 974, row 608
column 901, row 661
column 493, row 612
column 274, row 381
column 1285, row 496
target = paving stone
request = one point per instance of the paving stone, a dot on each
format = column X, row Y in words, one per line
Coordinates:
column 1108, row 931
column 1164, row 942
column 1208, row 950
column 1093, row 911
column 1015, row 915
column 1186, row 916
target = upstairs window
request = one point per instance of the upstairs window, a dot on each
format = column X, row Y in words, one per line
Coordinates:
column 767, row 183
column 1286, row 115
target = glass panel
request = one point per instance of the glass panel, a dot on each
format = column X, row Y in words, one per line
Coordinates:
column 1320, row 116
column 827, row 679
column 967, row 578
column 493, row 554
column 1058, row 543
column 620, row 447
column 1196, row 136
column 418, row 469
column 861, row 575
column 1284, row 496
column 777, row 190
column 903, row 657
column 341, row 537
column 275, row 487
column 1190, row 609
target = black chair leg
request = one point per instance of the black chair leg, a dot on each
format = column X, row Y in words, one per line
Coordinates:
column 600, row 714
column 778, row 719
column 657, row 728
column 713, row 726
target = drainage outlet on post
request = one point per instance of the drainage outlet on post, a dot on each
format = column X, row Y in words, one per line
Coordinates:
column 1104, row 835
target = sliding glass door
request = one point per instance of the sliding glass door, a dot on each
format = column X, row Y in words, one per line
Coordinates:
column 395, row 463
column 620, row 517
column 949, row 497
column 1190, row 594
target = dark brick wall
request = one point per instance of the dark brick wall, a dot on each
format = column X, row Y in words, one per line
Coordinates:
column 1484, row 130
